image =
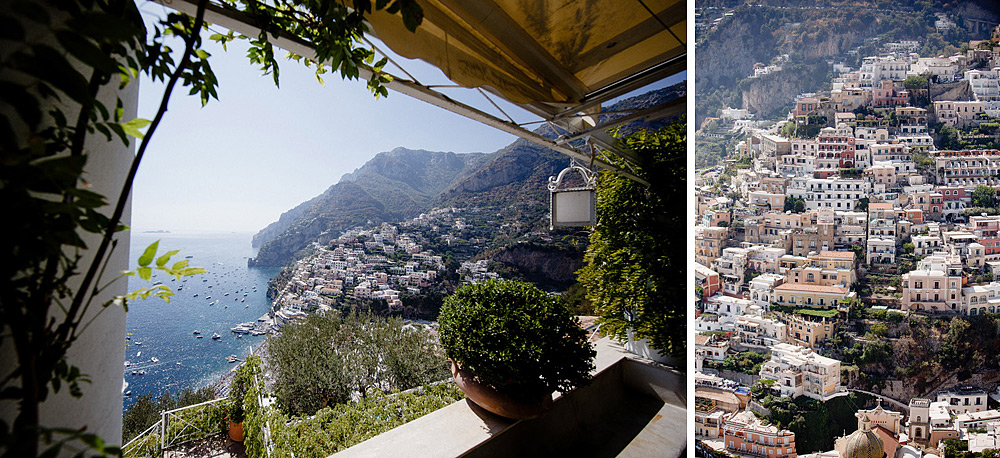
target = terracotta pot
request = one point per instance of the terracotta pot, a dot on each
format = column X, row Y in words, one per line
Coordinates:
column 501, row 404
column 236, row 431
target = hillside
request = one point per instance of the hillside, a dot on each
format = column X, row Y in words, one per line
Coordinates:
column 803, row 36
column 509, row 187
column 394, row 185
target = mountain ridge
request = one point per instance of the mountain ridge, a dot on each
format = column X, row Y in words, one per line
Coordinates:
column 402, row 183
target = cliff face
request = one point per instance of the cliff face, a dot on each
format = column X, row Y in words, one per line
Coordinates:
column 772, row 95
column 540, row 264
column 728, row 54
column 959, row 91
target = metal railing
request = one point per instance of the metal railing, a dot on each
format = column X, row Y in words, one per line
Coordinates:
column 179, row 426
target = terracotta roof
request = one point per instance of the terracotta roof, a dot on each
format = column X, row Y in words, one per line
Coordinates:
column 700, row 339
column 889, row 442
column 811, row 288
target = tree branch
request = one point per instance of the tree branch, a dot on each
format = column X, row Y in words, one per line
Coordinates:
column 69, row 325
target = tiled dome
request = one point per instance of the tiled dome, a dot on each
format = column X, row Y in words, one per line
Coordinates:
column 864, row 443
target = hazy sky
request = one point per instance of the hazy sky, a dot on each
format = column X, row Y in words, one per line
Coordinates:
column 239, row 162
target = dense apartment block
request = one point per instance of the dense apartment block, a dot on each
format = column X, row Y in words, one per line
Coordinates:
column 967, row 168
column 744, row 433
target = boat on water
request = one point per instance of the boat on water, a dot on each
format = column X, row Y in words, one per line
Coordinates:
column 128, row 393
column 195, row 295
column 139, row 372
column 128, row 363
column 216, row 336
column 137, row 354
column 178, row 363
column 232, row 358
column 153, row 359
column 243, row 328
column 137, row 342
column 196, row 332
column 188, row 256
column 201, row 337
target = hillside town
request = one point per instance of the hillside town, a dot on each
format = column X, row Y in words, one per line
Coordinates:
column 379, row 264
column 868, row 216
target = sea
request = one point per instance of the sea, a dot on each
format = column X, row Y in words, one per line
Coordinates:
column 228, row 294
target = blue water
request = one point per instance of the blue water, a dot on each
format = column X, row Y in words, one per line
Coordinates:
column 166, row 330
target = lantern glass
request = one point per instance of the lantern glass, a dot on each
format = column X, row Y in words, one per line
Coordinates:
column 574, row 208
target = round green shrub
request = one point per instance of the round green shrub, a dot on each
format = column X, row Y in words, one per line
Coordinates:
column 515, row 338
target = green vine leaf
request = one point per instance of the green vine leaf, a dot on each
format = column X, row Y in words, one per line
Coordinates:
column 148, row 254
column 163, row 260
column 132, row 127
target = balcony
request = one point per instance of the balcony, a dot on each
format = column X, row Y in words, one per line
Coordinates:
column 633, row 407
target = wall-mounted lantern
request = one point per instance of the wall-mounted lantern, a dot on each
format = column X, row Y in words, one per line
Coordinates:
column 573, row 206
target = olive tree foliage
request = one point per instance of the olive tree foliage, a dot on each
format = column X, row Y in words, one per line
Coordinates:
column 635, row 264
column 323, row 359
column 58, row 56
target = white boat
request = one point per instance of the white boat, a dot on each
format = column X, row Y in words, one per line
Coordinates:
column 196, row 332
column 153, row 359
column 128, row 363
column 137, row 354
column 216, row 336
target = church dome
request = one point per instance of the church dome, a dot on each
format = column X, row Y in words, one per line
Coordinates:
column 864, row 443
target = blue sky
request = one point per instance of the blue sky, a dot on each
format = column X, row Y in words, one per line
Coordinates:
column 239, row 162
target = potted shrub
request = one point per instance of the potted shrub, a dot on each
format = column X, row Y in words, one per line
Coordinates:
column 237, row 392
column 511, row 345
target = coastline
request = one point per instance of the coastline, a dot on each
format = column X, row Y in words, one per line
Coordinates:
column 221, row 386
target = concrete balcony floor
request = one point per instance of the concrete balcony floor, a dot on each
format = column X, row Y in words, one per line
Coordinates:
column 633, row 407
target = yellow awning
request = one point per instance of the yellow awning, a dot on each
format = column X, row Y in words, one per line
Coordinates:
column 547, row 53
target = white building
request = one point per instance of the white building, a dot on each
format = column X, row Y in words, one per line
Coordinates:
column 799, row 371
column 835, row 193
column 964, row 399
column 985, row 84
column 981, row 299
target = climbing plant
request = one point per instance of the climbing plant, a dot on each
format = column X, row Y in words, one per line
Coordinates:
column 60, row 61
column 635, row 265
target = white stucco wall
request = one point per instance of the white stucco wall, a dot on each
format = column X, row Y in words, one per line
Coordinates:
column 100, row 350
